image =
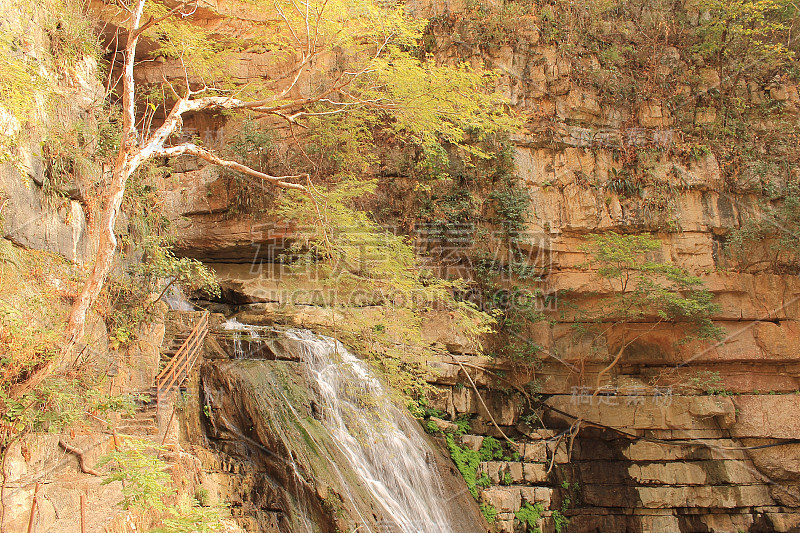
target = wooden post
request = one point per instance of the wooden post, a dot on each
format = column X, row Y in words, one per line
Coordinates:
column 33, row 508
column 83, row 513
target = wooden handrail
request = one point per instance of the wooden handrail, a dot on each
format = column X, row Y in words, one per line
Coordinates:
column 182, row 362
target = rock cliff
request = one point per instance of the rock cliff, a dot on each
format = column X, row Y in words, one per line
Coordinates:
column 685, row 437
column 682, row 437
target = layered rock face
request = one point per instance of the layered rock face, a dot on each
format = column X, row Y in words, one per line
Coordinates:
column 636, row 461
column 654, row 451
column 41, row 209
column 684, row 436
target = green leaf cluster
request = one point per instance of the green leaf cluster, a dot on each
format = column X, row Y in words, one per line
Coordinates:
column 467, row 462
column 57, row 404
column 377, row 278
column 437, row 104
column 188, row 516
column 529, row 516
column 738, row 32
column 146, row 485
column 491, row 449
column 560, row 522
column 642, row 285
column 145, row 481
column 489, row 512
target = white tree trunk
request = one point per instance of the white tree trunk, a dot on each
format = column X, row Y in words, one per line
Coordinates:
column 135, row 151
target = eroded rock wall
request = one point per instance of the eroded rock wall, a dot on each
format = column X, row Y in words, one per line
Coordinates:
column 660, row 449
column 636, row 462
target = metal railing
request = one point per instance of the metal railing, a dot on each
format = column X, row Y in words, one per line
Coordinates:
column 182, row 362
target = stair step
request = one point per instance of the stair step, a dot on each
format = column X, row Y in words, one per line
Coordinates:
column 138, row 430
column 138, row 422
column 146, row 403
column 143, row 412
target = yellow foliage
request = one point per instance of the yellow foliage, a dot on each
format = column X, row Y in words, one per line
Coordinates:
column 377, row 284
column 34, row 287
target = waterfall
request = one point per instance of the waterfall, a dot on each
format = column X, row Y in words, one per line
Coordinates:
column 383, row 444
column 177, row 300
column 239, row 330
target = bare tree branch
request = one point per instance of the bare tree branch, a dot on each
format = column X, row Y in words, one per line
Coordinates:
column 619, row 356
column 202, row 153
column 81, row 458
column 288, row 24
column 483, row 403
column 152, row 22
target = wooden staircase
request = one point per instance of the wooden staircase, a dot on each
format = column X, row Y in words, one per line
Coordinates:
column 177, row 361
column 180, row 357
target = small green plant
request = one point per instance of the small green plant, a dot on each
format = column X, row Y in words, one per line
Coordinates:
column 491, row 449
column 512, row 205
column 463, row 424
column 432, row 411
column 710, row 383
column 145, row 481
column 506, row 479
column 560, row 522
column 570, row 486
column 189, row 517
column 484, row 481
column 529, row 516
column 489, row 512
column 532, row 420
column 431, row 427
column 698, row 151
column 623, row 184
column 467, row 462
column 202, row 496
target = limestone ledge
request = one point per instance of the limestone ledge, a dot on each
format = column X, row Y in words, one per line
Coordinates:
column 742, row 296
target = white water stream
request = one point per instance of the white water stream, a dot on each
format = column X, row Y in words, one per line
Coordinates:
column 177, row 300
column 383, row 444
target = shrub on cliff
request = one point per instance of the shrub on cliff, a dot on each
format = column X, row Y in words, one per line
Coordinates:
column 644, row 293
column 769, row 237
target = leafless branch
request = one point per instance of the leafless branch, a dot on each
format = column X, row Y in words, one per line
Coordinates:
column 619, row 356
column 153, row 21
column 202, row 153
column 483, row 403
column 288, row 24
column 171, row 88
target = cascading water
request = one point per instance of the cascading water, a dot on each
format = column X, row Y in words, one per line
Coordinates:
column 239, row 331
column 383, row 444
column 358, row 463
column 176, row 300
